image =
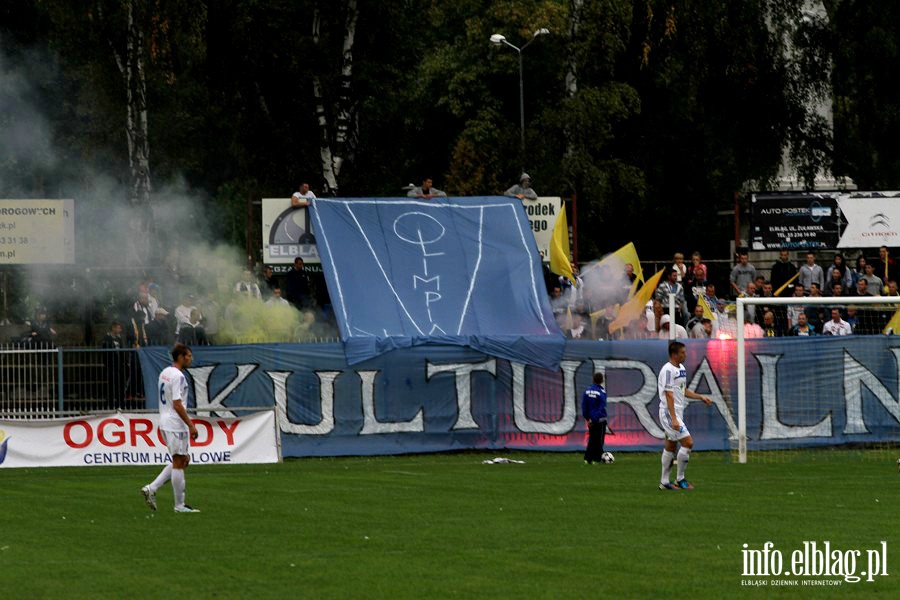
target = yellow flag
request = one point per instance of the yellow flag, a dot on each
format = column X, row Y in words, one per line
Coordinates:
column 707, row 311
column 627, row 255
column 789, row 282
column 559, row 248
column 893, row 325
column 633, row 308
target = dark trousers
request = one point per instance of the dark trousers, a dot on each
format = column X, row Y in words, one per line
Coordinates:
column 596, row 436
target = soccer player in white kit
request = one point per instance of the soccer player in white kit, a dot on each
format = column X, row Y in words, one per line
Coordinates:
column 672, row 393
column 176, row 427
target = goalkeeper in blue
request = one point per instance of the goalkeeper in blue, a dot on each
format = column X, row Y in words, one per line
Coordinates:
column 672, row 402
column 593, row 408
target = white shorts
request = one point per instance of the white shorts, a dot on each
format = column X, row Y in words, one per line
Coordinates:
column 666, row 423
column 177, row 442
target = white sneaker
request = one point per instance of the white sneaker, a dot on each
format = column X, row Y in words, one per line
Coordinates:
column 149, row 497
column 186, row 509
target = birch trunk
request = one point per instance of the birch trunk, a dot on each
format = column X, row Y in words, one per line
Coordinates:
column 338, row 145
column 131, row 68
column 575, row 7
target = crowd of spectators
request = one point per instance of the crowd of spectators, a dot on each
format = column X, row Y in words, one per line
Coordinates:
column 587, row 312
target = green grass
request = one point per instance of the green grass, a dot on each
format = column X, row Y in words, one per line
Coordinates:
column 438, row 526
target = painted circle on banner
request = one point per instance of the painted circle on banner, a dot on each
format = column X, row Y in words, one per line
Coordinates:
column 418, row 228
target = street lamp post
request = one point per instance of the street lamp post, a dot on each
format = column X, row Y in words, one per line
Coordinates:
column 498, row 40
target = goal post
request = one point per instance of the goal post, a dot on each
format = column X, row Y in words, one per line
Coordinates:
column 889, row 305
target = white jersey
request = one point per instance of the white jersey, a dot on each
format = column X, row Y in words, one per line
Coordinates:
column 172, row 386
column 672, row 379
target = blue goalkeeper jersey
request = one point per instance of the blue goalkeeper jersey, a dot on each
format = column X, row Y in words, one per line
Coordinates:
column 593, row 403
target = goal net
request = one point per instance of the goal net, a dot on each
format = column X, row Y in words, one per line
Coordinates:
column 833, row 381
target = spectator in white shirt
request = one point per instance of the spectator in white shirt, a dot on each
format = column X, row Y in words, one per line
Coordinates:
column 837, row 325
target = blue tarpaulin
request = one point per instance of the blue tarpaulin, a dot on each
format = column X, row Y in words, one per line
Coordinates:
column 403, row 272
column 440, row 398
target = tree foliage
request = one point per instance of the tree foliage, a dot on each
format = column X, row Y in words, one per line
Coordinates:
column 636, row 107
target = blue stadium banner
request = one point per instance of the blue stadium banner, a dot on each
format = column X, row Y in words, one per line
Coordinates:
column 801, row 392
column 404, row 272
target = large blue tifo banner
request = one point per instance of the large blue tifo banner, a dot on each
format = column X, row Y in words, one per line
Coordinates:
column 458, row 271
column 801, row 392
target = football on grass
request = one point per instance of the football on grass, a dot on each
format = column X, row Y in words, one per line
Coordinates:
column 607, row 458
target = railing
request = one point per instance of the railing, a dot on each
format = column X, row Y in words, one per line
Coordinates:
column 52, row 381
column 42, row 382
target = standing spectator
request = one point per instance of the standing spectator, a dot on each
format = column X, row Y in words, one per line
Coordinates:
column 782, row 270
column 522, row 190
column 115, row 365
column 795, row 310
column 154, row 296
column 247, row 287
column 695, row 280
column 40, row 332
column 811, row 273
column 572, row 292
column 593, row 409
column 142, row 308
column 835, row 279
column 892, row 288
column 679, row 267
column 297, row 286
column 136, row 334
column 425, row 191
column 211, row 312
column 558, row 304
column 885, row 267
column 159, row 331
column 846, row 275
column 671, row 286
column 875, row 284
column 187, row 322
column 815, row 313
column 837, row 325
column 750, row 309
column 860, row 268
column 742, row 274
column 269, row 280
column 861, row 289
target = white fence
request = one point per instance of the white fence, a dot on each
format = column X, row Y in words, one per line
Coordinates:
column 44, row 382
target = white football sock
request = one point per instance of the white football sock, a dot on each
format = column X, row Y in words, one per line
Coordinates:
column 684, row 455
column 178, row 486
column 162, row 478
column 667, row 458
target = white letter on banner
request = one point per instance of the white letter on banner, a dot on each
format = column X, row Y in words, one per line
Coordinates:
column 772, row 428
column 856, row 376
column 371, row 424
column 638, row 401
column 715, row 394
column 566, row 423
column 326, row 402
column 463, row 373
column 201, row 375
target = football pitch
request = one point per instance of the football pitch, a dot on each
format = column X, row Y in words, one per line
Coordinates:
column 446, row 525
